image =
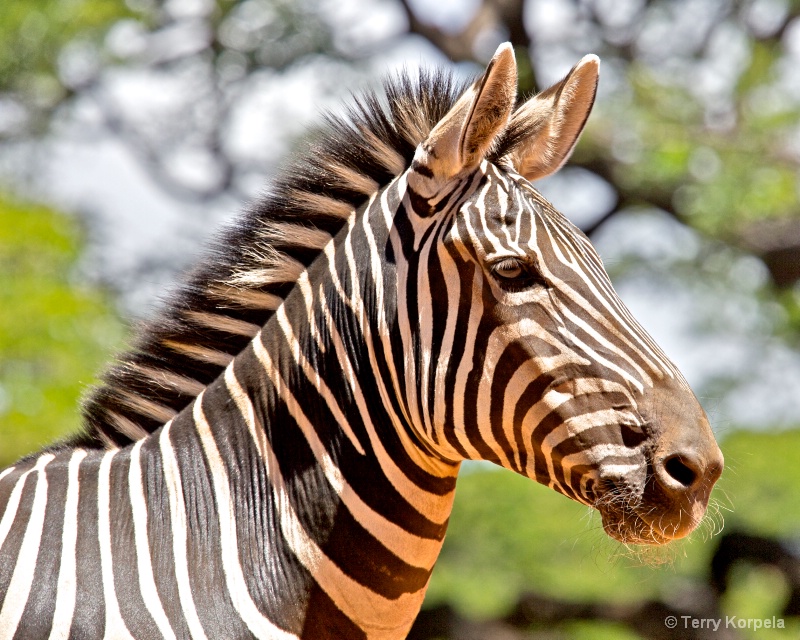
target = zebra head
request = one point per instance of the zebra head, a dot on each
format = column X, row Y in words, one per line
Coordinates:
column 524, row 354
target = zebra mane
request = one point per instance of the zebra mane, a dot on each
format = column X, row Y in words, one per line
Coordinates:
column 252, row 266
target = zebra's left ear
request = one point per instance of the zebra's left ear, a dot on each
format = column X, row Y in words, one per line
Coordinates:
column 553, row 120
column 461, row 139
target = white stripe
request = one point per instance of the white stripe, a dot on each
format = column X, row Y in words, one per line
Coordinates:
column 575, row 425
column 147, row 583
column 12, row 504
column 65, row 598
column 259, row 625
column 177, row 509
column 19, row 587
column 480, row 205
column 503, row 200
column 115, row 625
column 619, row 470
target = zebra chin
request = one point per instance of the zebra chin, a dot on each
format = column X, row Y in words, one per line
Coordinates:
column 637, row 526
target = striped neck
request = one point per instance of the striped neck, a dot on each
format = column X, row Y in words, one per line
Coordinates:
column 347, row 503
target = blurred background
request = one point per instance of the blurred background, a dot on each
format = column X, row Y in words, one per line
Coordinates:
column 131, row 129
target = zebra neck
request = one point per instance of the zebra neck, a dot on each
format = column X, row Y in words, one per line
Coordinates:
column 322, row 484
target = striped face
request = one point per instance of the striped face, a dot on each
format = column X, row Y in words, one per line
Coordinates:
column 525, row 355
column 530, row 359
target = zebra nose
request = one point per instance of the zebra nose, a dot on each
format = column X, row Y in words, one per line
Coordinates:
column 689, row 470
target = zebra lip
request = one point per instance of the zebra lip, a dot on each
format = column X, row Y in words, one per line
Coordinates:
column 628, row 527
column 621, row 521
column 644, row 524
column 674, row 514
column 680, row 520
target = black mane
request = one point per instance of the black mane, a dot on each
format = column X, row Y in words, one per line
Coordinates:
column 252, row 266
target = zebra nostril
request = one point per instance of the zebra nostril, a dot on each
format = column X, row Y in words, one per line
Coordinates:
column 682, row 470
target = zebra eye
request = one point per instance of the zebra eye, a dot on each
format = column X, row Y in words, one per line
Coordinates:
column 508, row 269
column 511, row 271
column 514, row 274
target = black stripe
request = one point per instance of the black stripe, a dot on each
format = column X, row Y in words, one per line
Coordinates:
column 365, row 559
column 325, row 621
column 422, row 169
column 159, row 534
column 123, row 552
column 206, row 573
column 37, row 617
column 89, row 618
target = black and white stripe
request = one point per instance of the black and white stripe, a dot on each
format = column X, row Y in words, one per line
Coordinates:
column 317, row 390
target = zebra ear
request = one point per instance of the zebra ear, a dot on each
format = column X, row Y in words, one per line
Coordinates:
column 461, row 139
column 553, row 121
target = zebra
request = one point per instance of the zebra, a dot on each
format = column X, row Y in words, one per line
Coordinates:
column 276, row 455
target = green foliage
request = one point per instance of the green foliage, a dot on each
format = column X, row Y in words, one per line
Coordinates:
column 33, row 34
column 54, row 332
column 762, row 482
column 718, row 177
column 791, row 304
column 585, row 630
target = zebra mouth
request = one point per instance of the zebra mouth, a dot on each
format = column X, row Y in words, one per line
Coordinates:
column 648, row 517
column 628, row 527
column 619, row 506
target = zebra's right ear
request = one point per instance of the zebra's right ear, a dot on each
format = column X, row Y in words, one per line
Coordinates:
column 459, row 141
